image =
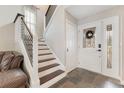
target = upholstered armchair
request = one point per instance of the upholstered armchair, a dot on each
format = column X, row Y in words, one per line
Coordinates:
column 11, row 74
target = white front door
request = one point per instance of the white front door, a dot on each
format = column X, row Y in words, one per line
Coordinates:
column 100, row 53
column 90, row 48
column 71, row 49
column 110, row 36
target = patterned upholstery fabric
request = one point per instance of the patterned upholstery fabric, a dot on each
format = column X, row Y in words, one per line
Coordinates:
column 16, row 60
column 1, row 56
column 6, row 61
column 11, row 76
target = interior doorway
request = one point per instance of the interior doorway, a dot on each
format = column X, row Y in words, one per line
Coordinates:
column 71, row 45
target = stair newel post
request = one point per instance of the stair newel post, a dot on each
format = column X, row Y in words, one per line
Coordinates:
column 35, row 60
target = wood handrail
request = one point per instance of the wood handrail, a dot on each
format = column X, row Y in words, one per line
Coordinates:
column 48, row 10
column 27, row 27
column 22, row 18
column 18, row 15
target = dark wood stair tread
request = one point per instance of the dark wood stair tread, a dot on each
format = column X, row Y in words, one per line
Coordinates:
column 42, row 45
column 44, row 49
column 50, row 76
column 45, row 60
column 41, row 40
column 47, row 67
column 45, row 54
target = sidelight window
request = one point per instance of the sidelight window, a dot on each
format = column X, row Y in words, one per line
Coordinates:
column 109, row 45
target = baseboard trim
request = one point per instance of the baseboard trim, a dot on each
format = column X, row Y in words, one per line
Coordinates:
column 118, row 78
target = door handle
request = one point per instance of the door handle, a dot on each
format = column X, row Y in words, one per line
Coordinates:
column 99, row 50
column 67, row 49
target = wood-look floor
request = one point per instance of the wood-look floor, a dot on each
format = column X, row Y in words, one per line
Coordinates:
column 80, row 78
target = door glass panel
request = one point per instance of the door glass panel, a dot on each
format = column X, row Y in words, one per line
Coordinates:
column 89, row 37
column 109, row 45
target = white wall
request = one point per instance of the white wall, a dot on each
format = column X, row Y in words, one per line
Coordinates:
column 7, row 15
column 117, row 11
column 55, row 35
column 7, row 37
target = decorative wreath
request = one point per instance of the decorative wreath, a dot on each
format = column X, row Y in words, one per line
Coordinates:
column 89, row 34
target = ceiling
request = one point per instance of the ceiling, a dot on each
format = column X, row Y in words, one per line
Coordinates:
column 83, row 11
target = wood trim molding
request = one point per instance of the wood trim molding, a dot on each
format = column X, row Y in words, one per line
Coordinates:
column 27, row 27
column 18, row 14
column 46, row 27
column 48, row 10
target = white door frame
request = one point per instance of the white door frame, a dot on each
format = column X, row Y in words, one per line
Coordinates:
column 121, row 50
column 114, row 72
column 67, row 21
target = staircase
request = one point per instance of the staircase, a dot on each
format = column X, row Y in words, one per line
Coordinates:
column 41, row 64
column 49, row 69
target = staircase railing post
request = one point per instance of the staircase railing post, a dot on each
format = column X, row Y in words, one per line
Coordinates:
column 35, row 60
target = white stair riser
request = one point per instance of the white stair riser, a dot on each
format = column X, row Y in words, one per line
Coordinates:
column 47, row 63
column 42, row 39
column 46, row 72
column 41, row 43
column 45, row 57
column 53, row 81
column 42, row 47
column 44, row 51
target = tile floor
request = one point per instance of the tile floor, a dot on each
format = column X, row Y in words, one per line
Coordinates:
column 80, row 78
